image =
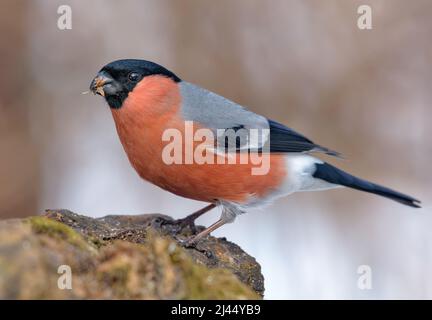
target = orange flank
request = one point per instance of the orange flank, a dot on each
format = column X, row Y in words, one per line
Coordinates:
column 153, row 107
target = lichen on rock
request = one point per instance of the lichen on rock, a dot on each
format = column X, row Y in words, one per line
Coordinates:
column 119, row 257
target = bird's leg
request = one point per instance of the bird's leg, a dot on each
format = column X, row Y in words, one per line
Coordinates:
column 190, row 219
column 205, row 232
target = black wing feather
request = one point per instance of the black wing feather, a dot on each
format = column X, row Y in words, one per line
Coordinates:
column 284, row 139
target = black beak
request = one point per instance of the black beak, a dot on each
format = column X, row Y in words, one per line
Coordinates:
column 98, row 83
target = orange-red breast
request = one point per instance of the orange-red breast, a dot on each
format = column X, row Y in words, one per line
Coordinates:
column 149, row 102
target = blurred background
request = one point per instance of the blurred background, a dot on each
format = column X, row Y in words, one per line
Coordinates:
column 365, row 93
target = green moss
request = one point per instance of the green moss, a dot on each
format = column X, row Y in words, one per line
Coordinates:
column 57, row 230
column 204, row 283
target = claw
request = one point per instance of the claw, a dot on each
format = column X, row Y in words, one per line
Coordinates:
column 182, row 223
column 189, row 221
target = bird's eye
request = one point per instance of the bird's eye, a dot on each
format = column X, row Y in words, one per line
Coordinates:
column 134, row 77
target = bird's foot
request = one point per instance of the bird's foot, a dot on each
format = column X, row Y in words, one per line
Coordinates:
column 181, row 224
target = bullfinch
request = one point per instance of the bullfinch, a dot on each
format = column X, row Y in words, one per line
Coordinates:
column 151, row 105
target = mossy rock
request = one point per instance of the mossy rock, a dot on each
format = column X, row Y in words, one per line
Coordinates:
column 119, row 257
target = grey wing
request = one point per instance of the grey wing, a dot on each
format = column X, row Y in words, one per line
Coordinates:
column 236, row 127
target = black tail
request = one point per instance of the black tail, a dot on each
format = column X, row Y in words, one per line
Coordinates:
column 334, row 175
